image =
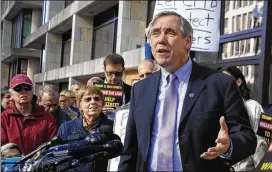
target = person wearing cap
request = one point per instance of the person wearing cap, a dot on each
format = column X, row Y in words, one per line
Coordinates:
column 25, row 122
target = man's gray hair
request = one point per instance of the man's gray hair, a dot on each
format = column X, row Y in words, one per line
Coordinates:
column 49, row 89
column 153, row 62
column 186, row 28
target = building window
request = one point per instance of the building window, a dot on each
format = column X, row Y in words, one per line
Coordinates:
column 66, row 48
column 239, row 4
column 21, row 28
column 238, row 23
column 238, row 17
column 233, row 24
column 244, row 21
column 226, row 21
column 27, row 23
column 227, row 5
column 105, row 31
column 243, row 48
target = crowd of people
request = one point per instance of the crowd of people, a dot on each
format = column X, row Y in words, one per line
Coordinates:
column 183, row 117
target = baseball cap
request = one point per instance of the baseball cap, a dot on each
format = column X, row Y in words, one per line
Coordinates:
column 19, row 79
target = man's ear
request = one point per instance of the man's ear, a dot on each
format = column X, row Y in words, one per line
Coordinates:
column 189, row 41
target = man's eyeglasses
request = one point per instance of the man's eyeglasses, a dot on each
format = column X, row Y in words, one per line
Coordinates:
column 20, row 88
column 114, row 73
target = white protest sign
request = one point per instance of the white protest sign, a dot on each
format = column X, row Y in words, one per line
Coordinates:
column 204, row 17
column 119, row 128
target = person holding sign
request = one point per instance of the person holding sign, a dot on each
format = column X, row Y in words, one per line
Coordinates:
column 114, row 67
column 185, row 117
column 254, row 110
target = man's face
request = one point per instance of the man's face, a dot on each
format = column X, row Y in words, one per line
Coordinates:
column 114, row 74
column 22, row 94
column 5, row 101
column 49, row 102
column 63, row 102
column 145, row 69
column 169, row 47
column 75, row 88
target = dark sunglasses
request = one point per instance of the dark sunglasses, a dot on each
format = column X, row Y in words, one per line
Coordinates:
column 22, row 87
column 114, row 73
column 88, row 99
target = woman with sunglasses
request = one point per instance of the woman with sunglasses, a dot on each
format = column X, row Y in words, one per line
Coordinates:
column 254, row 110
column 90, row 101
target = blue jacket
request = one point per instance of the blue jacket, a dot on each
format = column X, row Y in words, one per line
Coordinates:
column 75, row 128
column 61, row 116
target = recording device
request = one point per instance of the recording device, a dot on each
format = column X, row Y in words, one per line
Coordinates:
column 57, row 140
column 111, row 146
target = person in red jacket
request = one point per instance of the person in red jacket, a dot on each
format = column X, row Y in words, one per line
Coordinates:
column 24, row 122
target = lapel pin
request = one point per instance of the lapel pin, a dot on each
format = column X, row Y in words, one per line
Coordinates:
column 192, row 95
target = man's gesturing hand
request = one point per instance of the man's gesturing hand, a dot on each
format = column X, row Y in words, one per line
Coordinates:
column 222, row 142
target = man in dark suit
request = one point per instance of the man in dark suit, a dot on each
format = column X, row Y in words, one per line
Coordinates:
column 184, row 117
column 114, row 67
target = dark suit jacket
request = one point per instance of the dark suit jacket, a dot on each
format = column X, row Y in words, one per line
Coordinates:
column 215, row 94
column 127, row 90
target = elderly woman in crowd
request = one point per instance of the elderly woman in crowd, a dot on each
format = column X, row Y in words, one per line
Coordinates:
column 90, row 101
column 254, row 110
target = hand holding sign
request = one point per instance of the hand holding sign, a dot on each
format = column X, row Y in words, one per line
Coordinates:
column 222, row 142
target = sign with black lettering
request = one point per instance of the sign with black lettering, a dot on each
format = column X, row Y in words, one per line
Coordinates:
column 113, row 94
column 119, row 128
column 204, row 17
column 265, row 127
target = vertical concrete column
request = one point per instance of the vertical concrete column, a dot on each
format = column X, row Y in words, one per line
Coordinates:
column 33, row 67
column 6, row 37
column 132, row 19
column 36, row 19
column 81, row 42
column 53, row 46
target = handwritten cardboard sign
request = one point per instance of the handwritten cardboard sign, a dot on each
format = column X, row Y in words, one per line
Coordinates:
column 119, row 128
column 113, row 94
column 204, row 17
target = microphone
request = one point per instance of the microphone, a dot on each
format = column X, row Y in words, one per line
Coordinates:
column 93, row 139
column 114, row 146
column 54, row 141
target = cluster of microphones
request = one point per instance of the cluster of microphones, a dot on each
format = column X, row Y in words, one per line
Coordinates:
column 75, row 151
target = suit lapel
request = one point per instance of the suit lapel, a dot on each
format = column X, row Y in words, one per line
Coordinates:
column 196, row 84
column 151, row 100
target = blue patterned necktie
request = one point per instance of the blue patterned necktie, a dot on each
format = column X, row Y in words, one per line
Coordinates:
column 167, row 129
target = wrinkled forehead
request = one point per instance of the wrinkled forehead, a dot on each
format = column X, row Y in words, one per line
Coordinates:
column 167, row 21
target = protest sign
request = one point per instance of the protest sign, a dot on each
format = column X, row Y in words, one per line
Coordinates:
column 119, row 128
column 113, row 94
column 204, row 17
